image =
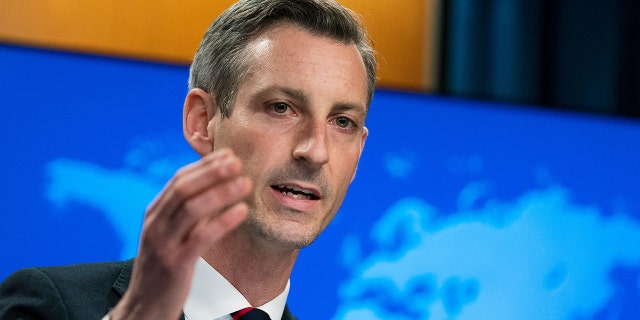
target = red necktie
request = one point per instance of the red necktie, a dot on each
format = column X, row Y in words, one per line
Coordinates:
column 250, row 314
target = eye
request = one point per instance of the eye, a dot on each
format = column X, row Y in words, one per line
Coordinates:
column 280, row 107
column 344, row 122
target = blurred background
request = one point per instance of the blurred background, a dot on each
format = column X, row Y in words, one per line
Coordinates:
column 500, row 179
column 554, row 53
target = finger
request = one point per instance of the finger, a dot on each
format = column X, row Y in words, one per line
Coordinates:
column 193, row 179
column 206, row 206
column 209, row 171
column 211, row 230
column 212, row 201
column 158, row 219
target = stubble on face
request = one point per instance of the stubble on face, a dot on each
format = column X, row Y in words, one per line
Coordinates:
column 327, row 77
column 293, row 236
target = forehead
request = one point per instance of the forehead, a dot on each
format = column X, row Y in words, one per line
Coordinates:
column 288, row 55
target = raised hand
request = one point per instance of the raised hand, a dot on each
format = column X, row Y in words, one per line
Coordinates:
column 197, row 207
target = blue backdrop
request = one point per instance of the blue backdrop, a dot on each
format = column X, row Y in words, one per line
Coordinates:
column 460, row 209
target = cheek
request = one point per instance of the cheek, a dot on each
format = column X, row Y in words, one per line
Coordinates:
column 256, row 150
column 347, row 158
column 346, row 167
column 246, row 146
column 237, row 134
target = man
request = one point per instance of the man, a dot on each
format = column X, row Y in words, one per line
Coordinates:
column 279, row 93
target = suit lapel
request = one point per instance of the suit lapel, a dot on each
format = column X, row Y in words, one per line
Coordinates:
column 122, row 282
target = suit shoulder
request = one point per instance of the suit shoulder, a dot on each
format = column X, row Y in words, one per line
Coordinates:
column 84, row 290
column 91, row 272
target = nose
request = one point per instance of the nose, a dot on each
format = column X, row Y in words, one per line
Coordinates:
column 312, row 144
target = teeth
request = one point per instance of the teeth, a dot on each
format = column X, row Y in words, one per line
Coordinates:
column 295, row 192
column 297, row 195
column 293, row 188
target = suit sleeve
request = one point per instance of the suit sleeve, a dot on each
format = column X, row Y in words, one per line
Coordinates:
column 29, row 294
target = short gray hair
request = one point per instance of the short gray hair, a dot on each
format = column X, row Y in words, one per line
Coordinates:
column 220, row 64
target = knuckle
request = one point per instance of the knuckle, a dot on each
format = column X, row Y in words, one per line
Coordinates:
column 180, row 187
column 231, row 190
column 191, row 209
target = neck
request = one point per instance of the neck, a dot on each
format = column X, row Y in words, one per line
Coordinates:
column 259, row 270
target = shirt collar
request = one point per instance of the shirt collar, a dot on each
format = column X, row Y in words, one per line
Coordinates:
column 212, row 296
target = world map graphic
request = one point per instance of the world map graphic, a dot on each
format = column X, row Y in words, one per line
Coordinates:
column 539, row 257
column 460, row 209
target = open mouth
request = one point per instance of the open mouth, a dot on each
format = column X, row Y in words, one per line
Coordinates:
column 296, row 192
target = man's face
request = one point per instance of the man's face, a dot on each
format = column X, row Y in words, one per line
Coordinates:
column 298, row 127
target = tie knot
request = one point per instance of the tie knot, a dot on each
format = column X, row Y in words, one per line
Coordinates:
column 250, row 314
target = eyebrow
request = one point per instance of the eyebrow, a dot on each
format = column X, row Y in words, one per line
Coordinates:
column 294, row 93
column 299, row 95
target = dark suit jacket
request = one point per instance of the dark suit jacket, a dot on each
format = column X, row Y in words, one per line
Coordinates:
column 82, row 292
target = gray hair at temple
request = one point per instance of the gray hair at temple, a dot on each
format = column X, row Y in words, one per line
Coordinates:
column 220, row 64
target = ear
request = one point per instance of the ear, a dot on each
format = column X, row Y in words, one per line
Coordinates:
column 199, row 110
column 365, row 133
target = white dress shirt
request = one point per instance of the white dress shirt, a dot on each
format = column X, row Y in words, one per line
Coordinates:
column 212, row 297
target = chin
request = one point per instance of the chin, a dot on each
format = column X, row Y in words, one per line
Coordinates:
column 285, row 234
